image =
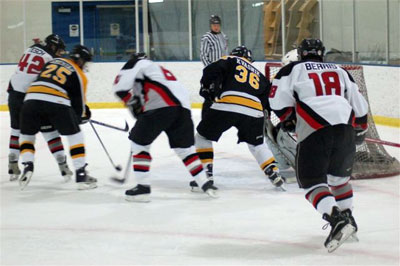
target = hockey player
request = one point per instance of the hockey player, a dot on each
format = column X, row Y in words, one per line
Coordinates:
column 321, row 102
column 238, row 91
column 160, row 103
column 57, row 97
column 31, row 63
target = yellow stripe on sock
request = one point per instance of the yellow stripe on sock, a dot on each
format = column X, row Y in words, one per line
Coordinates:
column 266, row 163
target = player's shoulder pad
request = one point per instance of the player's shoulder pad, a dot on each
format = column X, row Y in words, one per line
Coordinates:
column 286, row 70
column 348, row 74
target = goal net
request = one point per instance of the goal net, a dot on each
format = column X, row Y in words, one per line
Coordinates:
column 372, row 160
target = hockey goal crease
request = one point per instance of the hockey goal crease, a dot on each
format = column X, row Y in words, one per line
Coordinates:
column 372, row 160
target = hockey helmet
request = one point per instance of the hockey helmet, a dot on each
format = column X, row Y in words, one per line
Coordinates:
column 311, row 49
column 289, row 57
column 215, row 19
column 82, row 52
column 57, row 41
column 242, row 51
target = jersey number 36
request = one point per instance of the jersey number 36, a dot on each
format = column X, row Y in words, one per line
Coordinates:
column 246, row 76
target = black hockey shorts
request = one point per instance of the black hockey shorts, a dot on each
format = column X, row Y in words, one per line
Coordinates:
column 15, row 101
column 35, row 114
column 176, row 122
column 215, row 122
column 330, row 150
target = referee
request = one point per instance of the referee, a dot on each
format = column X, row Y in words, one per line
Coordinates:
column 214, row 45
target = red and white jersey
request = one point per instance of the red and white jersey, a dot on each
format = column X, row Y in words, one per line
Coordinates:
column 29, row 66
column 321, row 94
column 156, row 86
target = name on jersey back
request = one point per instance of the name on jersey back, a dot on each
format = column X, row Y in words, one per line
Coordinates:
column 248, row 66
column 319, row 66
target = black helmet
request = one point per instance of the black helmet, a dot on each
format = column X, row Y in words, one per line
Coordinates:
column 138, row 56
column 311, row 49
column 81, row 51
column 135, row 57
column 242, row 51
column 215, row 19
column 57, row 41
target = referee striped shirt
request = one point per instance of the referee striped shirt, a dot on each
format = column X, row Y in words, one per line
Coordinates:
column 213, row 47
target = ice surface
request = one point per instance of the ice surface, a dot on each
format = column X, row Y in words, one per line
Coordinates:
column 52, row 223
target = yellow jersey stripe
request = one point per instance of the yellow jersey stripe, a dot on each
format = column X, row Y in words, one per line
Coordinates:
column 241, row 101
column 47, row 90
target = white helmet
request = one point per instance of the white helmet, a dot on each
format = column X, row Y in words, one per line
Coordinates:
column 290, row 57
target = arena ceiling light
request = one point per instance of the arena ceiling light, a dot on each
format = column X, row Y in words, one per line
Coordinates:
column 155, row 1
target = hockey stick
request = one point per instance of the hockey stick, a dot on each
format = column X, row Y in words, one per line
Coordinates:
column 126, row 129
column 117, row 167
column 382, row 142
column 126, row 173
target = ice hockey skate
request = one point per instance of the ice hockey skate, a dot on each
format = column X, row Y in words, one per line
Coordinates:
column 210, row 189
column 13, row 169
column 66, row 173
column 348, row 214
column 341, row 229
column 274, row 176
column 84, row 180
column 209, row 173
column 27, row 175
column 140, row 193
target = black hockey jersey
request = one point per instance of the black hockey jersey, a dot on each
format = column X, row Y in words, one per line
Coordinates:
column 320, row 94
column 243, row 87
column 60, row 81
column 29, row 66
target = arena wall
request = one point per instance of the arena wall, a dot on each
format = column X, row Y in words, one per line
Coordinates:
column 383, row 85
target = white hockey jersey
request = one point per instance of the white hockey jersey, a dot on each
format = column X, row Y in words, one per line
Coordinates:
column 321, row 94
column 156, row 86
column 29, row 66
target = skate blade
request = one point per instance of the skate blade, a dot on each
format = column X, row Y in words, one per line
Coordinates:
column 86, row 186
column 138, row 198
column 67, row 178
column 212, row 193
column 353, row 238
column 25, row 179
column 281, row 188
column 14, row 177
column 346, row 232
column 196, row 190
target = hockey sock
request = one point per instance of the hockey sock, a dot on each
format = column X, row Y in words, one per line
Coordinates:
column 204, row 149
column 193, row 164
column 55, row 145
column 342, row 190
column 263, row 155
column 27, row 147
column 14, row 145
column 321, row 198
column 77, row 150
column 141, row 163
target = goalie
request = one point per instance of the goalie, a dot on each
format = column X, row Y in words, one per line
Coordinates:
column 282, row 143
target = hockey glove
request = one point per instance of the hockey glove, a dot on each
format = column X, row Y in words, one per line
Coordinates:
column 360, row 135
column 289, row 125
column 86, row 116
column 207, row 92
column 135, row 106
